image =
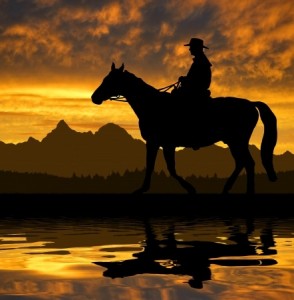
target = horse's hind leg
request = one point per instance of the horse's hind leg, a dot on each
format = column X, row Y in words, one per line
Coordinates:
column 230, row 182
column 249, row 166
column 151, row 153
column 169, row 155
column 243, row 159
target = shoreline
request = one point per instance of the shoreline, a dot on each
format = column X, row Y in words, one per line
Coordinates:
column 103, row 205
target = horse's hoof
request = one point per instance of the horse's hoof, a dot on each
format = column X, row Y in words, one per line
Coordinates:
column 250, row 193
column 192, row 191
column 273, row 177
column 140, row 191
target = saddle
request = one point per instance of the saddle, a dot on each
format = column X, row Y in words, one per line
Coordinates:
column 190, row 93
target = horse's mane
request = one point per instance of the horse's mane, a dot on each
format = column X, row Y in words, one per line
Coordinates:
column 141, row 84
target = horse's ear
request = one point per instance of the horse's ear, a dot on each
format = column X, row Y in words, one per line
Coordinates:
column 112, row 66
column 122, row 67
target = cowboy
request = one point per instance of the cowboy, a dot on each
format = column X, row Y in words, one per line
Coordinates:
column 197, row 81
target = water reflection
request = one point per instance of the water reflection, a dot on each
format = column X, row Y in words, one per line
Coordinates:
column 192, row 257
column 156, row 258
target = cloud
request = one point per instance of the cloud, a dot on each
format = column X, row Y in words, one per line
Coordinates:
column 252, row 38
column 45, row 3
column 166, row 29
column 131, row 37
column 258, row 38
column 30, row 41
column 185, row 9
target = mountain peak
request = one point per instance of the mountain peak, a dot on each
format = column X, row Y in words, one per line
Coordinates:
column 62, row 128
column 62, row 125
column 111, row 129
column 61, row 131
column 287, row 153
column 32, row 140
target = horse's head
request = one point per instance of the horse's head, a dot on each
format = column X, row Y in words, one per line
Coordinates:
column 111, row 85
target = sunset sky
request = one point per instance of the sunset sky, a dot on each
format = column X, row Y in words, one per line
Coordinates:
column 54, row 53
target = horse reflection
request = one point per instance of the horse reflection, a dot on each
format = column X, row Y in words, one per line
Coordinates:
column 190, row 258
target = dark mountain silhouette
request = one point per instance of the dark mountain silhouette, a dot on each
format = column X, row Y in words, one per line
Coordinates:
column 64, row 152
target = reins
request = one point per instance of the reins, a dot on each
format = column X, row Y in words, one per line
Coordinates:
column 121, row 98
column 168, row 87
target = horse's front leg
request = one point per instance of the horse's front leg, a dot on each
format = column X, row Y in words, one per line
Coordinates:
column 151, row 153
column 169, row 155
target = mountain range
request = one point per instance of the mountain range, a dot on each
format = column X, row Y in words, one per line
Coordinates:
column 65, row 152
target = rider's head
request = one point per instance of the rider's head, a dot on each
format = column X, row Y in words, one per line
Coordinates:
column 196, row 45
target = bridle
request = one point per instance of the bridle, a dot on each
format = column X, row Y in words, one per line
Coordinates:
column 118, row 98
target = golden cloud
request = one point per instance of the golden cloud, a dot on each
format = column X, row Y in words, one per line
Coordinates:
column 183, row 9
column 261, row 36
column 111, row 14
column 28, row 40
column 166, row 29
column 131, row 37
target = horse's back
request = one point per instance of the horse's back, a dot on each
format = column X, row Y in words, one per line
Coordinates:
column 239, row 107
column 231, row 102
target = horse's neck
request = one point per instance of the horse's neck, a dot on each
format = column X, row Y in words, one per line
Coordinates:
column 139, row 94
column 140, row 105
column 135, row 86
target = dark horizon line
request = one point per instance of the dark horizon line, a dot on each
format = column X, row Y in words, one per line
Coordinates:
column 26, row 183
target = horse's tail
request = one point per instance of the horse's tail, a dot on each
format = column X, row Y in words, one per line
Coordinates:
column 269, row 139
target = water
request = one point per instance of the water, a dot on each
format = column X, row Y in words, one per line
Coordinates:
column 147, row 258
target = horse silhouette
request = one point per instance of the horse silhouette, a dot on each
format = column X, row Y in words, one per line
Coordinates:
column 168, row 122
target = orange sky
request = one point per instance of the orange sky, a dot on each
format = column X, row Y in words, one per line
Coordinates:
column 54, row 53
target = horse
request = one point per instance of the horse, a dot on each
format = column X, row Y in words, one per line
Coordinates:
column 168, row 122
